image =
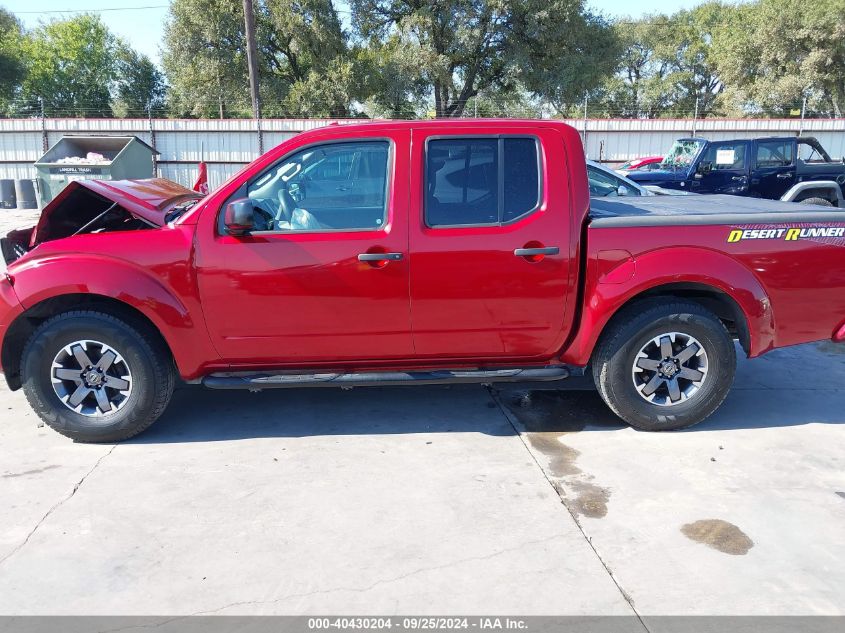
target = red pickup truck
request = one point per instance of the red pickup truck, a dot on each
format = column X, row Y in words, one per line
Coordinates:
column 407, row 253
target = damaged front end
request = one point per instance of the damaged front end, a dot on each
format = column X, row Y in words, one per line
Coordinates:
column 97, row 206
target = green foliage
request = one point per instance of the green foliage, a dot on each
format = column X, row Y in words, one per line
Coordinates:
column 12, row 64
column 392, row 80
column 463, row 47
column 666, row 66
column 774, row 53
column 304, row 63
column 140, row 85
column 408, row 58
column 71, row 66
column 205, row 59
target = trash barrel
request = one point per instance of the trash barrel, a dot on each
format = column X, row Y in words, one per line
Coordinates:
column 25, row 194
column 7, row 194
column 92, row 157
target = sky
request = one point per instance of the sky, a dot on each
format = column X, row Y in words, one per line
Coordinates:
column 141, row 22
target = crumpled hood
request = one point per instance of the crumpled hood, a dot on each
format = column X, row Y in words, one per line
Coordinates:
column 149, row 199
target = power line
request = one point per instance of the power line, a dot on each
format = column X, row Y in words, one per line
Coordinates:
column 153, row 6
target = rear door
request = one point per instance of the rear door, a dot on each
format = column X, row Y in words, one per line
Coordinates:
column 727, row 164
column 774, row 167
column 490, row 244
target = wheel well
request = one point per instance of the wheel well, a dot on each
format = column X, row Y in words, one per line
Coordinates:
column 715, row 300
column 23, row 327
column 825, row 193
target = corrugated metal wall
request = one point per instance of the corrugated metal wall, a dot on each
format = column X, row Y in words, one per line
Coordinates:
column 229, row 144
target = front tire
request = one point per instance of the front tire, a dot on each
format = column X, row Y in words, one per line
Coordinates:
column 95, row 378
column 664, row 364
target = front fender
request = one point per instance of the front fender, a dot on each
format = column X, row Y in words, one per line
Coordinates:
column 38, row 279
column 614, row 278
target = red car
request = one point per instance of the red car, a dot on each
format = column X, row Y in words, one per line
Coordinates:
column 647, row 163
column 406, row 253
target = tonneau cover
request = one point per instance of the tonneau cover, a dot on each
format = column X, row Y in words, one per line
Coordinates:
column 711, row 209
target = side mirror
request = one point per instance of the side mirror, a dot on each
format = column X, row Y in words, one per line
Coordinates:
column 704, row 168
column 622, row 190
column 239, row 216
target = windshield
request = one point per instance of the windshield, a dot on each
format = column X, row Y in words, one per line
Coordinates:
column 682, row 153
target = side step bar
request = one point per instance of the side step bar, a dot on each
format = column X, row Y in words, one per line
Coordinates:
column 256, row 382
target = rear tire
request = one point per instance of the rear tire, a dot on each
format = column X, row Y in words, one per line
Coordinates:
column 664, row 364
column 822, row 202
column 94, row 378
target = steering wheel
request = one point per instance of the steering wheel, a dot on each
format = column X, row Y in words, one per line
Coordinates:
column 265, row 219
column 286, row 206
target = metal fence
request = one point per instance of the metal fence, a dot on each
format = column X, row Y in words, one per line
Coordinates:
column 227, row 145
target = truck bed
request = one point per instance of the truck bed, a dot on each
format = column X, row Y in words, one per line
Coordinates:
column 715, row 209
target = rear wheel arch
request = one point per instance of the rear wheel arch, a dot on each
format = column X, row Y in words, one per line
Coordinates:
column 824, row 193
column 664, row 363
column 27, row 323
column 714, row 299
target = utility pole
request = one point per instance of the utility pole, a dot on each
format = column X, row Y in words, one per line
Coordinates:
column 252, row 57
column 803, row 113
column 152, row 137
column 695, row 118
column 585, row 125
column 45, row 141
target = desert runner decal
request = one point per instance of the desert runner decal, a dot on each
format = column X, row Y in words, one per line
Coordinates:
column 789, row 233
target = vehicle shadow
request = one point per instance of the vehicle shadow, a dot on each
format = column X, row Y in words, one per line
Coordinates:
column 199, row 415
column 763, row 396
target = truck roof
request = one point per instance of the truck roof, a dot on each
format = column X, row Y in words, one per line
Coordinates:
column 756, row 138
column 447, row 123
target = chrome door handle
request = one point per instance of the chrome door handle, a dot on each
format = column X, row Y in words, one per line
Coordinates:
column 380, row 257
column 529, row 252
column 784, row 176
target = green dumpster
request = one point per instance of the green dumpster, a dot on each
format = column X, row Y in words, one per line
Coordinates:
column 92, row 157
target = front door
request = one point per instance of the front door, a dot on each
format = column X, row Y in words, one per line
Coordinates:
column 490, row 243
column 324, row 277
column 726, row 169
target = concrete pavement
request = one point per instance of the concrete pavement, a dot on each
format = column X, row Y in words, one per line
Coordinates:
column 427, row 500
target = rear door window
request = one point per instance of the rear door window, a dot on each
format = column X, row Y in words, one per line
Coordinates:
column 481, row 181
column 774, row 153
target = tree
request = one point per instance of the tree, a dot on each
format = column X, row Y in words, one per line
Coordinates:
column 774, row 53
column 463, row 47
column 140, row 86
column 305, row 65
column 391, row 79
column 695, row 73
column 71, row 67
column 667, row 64
column 639, row 87
column 12, row 64
column 307, row 52
column 204, row 58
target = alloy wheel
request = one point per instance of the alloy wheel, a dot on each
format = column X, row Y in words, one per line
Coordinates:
column 91, row 378
column 669, row 369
